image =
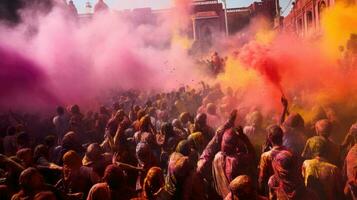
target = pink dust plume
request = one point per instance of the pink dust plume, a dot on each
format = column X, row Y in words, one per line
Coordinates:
column 21, row 80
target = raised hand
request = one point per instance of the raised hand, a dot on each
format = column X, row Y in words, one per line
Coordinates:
column 284, row 101
column 232, row 117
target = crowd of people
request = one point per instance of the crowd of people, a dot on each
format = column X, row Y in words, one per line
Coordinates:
column 184, row 144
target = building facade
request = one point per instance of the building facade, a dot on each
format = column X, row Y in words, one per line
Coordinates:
column 305, row 17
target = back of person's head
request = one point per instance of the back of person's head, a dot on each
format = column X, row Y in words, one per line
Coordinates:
column 114, row 177
column 295, row 121
column 201, row 119
column 211, row 109
column 242, row 187
column 72, row 160
column 50, row 140
column 184, row 117
column 94, row 151
column 119, row 114
column 154, row 180
column 143, row 152
column 26, row 156
column 69, row 140
column 179, row 166
column 323, row 127
column 167, row 129
column 40, row 151
column 145, row 123
column 196, row 140
column 75, row 109
column 60, row 110
column 176, row 123
column 230, row 142
column 275, row 135
column 46, row 195
column 254, row 118
column 183, row 147
column 30, row 179
column 320, row 147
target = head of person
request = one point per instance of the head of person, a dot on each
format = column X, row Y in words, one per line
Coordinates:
column 177, row 124
column 319, row 148
column 167, row 129
column 93, row 154
column 183, row 147
column 143, row 153
column 41, row 151
column 25, row 156
column 114, row 177
column 242, row 187
column 154, row 180
column 196, row 141
column 72, row 162
column 254, row 118
column 31, row 180
column 295, row 121
column 184, row 117
column 230, row 141
column 60, row 110
column 119, row 115
column 46, row 195
column 70, row 140
column 75, row 109
column 201, row 120
column 145, row 123
column 179, row 167
column 50, row 141
column 211, row 109
column 275, row 135
column 323, row 128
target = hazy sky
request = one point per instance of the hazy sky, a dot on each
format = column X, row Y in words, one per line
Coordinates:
column 157, row 4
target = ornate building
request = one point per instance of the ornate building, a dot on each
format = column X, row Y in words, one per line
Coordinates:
column 208, row 16
column 305, row 17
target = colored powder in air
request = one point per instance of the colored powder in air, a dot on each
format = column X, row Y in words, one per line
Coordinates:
column 21, row 81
